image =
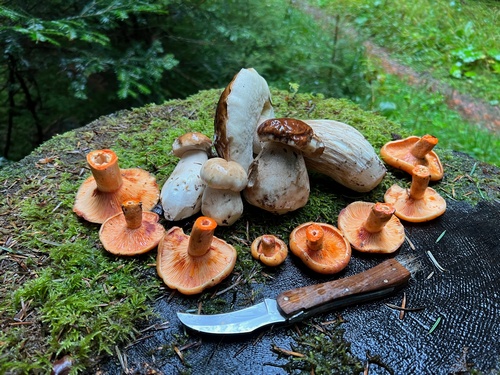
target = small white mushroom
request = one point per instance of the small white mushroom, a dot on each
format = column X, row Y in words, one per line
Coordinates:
column 182, row 192
column 278, row 181
column 222, row 198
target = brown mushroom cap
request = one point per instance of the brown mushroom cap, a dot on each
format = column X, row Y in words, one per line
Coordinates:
column 269, row 249
column 321, row 247
column 218, row 173
column 132, row 231
column 193, row 263
column 190, row 142
column 100, row 196
column 419, row 203
column 407, row 153
column 371, row 227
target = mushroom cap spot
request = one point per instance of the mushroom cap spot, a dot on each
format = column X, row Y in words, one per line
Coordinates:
column 192, row 274
column 428, row 208
column 292, row 132
column 190, row 142
column 97, row 206
column 333, row 257
column 397, row 154
column 219, row 173
column 272, row 260
column 351, row 220
column 118, row 239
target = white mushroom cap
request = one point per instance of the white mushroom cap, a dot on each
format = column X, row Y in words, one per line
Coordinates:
column 189, row 142
column 219, row 173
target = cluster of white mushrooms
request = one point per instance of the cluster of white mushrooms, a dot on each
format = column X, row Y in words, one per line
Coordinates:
column 261, row 158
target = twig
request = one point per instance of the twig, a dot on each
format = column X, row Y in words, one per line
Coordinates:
column 287, row 352
column 396, row 307
column 435, row 262
column 403, row 306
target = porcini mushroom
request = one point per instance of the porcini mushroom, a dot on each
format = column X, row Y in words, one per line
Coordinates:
column 269, row 249
column 222, row 199
column 277, row 179
column 348, row 157
column 132, row 231
column 321, row 247
column 100, row 196
column 371, row 227
column 193, row 263
column 181, row 194
column 407, row 153
column 418, row 204
column 244, row 103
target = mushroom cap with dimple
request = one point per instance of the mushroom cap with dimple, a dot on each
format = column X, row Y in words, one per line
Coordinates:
column 192, row 274
column 191, row 142
column 351, row 221
column 219, row 173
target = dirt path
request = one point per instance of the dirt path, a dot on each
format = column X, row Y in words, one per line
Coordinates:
column 474, row 110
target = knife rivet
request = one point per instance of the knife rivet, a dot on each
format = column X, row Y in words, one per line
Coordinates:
column 346, row 289
column 286, row 298
column 386, row 281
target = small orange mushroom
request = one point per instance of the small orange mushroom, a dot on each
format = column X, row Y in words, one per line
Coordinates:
column 321, row 247
column 132, row 231
column 407, row 153
column 100, row 196
column 269, row 249
column 193, row 263
column 418, row 204
column 371, row 227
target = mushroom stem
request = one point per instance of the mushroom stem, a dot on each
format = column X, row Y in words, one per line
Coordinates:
column 268, row 245
column 423, row 146
column 379, row 215
column 419, row 182
column 315, row 235
column 105, row 169
column 201, row 236
column 132, row 210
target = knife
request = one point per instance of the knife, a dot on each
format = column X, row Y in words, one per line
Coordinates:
column 297, row 304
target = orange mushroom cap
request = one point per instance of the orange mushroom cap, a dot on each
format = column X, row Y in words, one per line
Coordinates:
column 419, row 203
column 321, row 247
column 371, row 227
column 132, row 231
column 193, row 263
column 100, row 196
column 407, row 153
column 269, row 249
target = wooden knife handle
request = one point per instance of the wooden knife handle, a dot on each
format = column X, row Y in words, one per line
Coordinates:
column 388, row 274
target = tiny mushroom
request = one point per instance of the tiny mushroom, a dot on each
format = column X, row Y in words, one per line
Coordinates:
column 193, row 263
column 100, row 196
column 132, row 231
column 419, row 203
column 222, row 198
column 277, row 179
column 321, row 247
column 269, row 249
column 371, row 227
column 407, row 153
column 181, row 194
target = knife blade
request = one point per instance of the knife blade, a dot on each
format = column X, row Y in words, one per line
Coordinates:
column 297, row 304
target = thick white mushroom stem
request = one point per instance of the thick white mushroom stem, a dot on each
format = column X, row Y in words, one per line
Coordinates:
column 201, row 237
column 419, row 182
column 105, row 170
column 132, row 210
column 314, row 237
column 423, row 146
column 379, row 215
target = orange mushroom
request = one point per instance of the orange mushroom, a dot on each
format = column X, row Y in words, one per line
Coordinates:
column 132, row 231
column 100, row 196
column 371, row 227
column 407, row 153
column 321, row 247
column 269, row 249
column 418, row 204
column 193, row 263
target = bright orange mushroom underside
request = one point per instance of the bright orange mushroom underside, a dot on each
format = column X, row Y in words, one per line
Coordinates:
column 429, row 207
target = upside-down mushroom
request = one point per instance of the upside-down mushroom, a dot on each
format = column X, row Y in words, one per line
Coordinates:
column 131, row 232
column 193, row 263
column 419, row 203
column 100, row 196
column 407, row 153
column 321, row 247
column 269, row 249
column 371, row 227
